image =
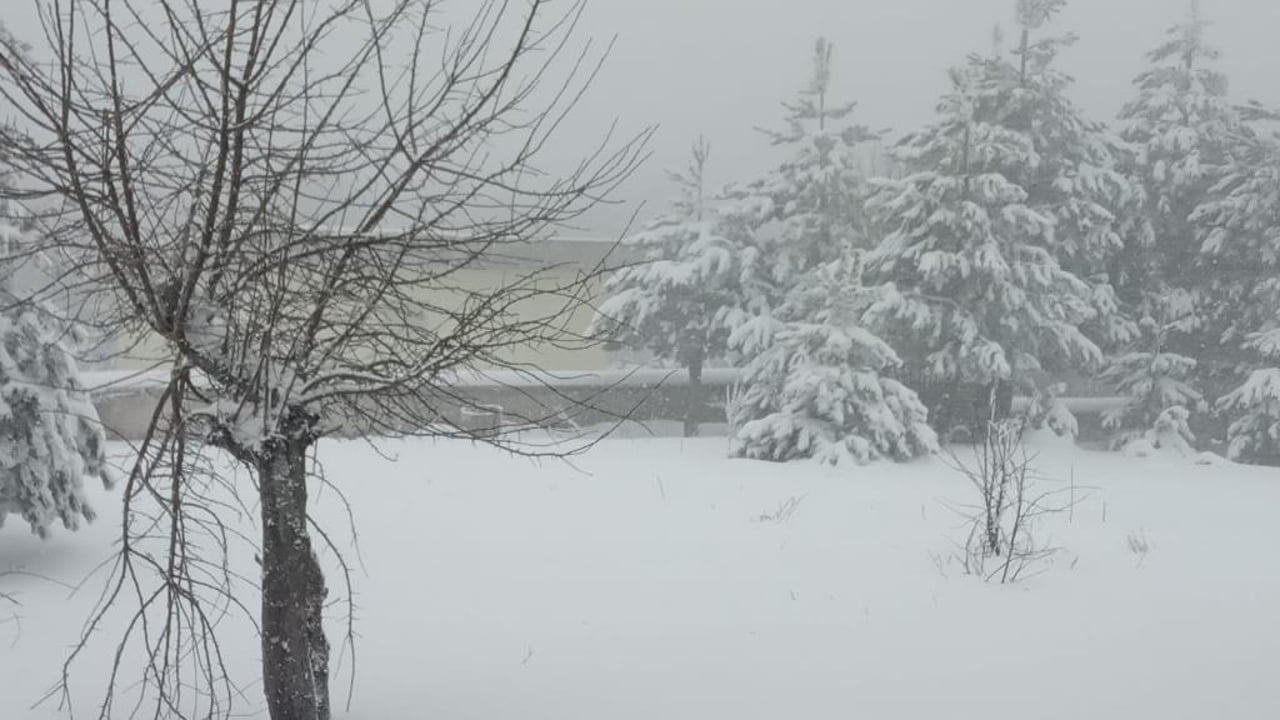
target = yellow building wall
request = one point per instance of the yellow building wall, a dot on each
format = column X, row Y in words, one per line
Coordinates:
column 148, row 351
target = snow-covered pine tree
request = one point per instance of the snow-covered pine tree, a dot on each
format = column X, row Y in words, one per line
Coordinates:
column 50, row 436
column 1149, row 376
column 681, row 299
column 1072, row 176
column 972, row 294
column 1181, row 129
column 813, row 385
column 1240, row 228
column 1183, row 136
column 1254, row 434
column 1075, row 178
column 1239, row 232
column 814, row 198
column 821, row 388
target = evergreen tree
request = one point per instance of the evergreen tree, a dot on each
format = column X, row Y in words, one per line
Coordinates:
column 1182, row 129
column 50, row 436
column 972, row 290
column 821, row 389
column 1254, row 434
column 681, row 300
column 817, row 382
column 1184, row 138
column 1074, row 177
column 1152, row 378
column 814, row 199
column 1240, row 228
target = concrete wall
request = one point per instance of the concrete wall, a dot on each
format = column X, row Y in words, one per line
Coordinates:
column 649, row 396
column 126, row 404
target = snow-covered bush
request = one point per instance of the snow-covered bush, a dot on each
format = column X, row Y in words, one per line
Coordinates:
column 1152, row 379
column 50, row 436
column 1048, row 412
column 822, row 388
column 1170, row 434
column 1254, row 434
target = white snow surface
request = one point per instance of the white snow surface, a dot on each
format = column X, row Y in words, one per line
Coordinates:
column 648, row 583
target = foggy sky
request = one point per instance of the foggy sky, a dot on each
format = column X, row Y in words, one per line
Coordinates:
column 721, row 67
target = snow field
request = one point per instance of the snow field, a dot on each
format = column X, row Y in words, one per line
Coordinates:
column 658, row 579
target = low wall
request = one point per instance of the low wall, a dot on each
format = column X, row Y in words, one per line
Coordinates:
column 126, row 402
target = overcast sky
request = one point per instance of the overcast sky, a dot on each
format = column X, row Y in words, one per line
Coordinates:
column 721, row 67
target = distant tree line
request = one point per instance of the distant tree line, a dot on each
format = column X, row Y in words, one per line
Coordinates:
column 1009, row 241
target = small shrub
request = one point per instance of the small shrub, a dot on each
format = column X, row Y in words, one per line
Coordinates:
column 1001, row 543
column 1138, row 545
column 783, row 513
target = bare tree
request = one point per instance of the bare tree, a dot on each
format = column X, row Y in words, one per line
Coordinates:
column 1001, row 543
column 295, row 197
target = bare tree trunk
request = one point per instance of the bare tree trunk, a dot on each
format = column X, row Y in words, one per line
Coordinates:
column 693, row 403
column 987, row 404
column 1001, row 394
column 295, row 653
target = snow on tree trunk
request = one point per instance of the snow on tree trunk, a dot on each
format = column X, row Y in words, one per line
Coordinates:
column 295, row 652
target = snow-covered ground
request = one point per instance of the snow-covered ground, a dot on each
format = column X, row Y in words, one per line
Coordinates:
column 646, row 583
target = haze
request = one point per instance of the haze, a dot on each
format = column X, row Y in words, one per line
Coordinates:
column 721, row 67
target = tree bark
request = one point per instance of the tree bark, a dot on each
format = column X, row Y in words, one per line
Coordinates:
column 694, row 399
column 295, row 652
